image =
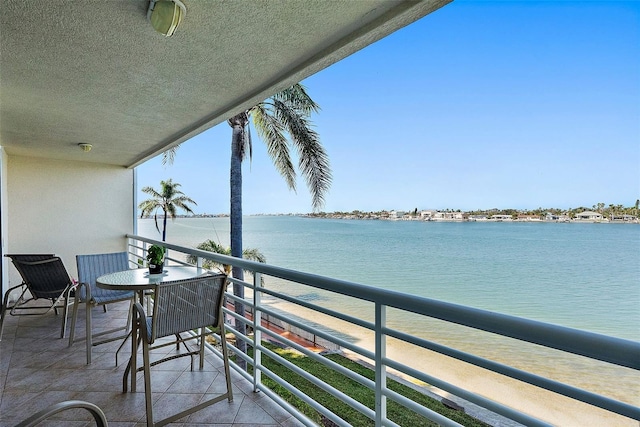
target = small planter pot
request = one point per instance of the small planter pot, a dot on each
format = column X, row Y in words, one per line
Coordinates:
column 156, row 268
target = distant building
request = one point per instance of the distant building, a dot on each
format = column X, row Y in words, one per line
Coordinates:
column 501, row 217
column 557, row 218
column 448, row 216
column 528, row 218
column 624, row 218
column 396, row 214
column 427, row 215
column 589, row 216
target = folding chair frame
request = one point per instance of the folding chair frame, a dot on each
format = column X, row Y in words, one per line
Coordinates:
column 147, row 325
column 19, row 309
column 87, row 266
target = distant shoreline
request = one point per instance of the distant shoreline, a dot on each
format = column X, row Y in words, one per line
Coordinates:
column 634, row 220
column 372, row 216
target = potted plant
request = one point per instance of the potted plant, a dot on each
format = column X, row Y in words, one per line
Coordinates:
column 155, row 258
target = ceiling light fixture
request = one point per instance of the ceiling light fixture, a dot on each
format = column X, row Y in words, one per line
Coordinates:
column 166, row 15
column 85, row 147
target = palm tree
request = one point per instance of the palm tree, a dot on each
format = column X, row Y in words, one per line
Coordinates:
column 168, row 199
column 286, row 112
column 211, row 246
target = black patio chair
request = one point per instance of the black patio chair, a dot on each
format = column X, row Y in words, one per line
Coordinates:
column 179, row 307
column 43, row 278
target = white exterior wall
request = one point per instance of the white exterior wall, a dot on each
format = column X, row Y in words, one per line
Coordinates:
column 3, row 220
column 66, row 208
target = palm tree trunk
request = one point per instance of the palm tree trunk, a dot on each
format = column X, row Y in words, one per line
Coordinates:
column 238, row 124
column 164, row 227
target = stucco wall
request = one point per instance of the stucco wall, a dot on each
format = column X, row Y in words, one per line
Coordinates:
column 3, row 221
column 66, row 208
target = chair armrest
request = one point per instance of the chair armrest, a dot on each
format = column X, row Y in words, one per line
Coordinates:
column 87, row 288
column 141, row 318
column 5, row 300
column 96, row 412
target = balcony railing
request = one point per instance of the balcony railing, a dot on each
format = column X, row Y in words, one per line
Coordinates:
column 379, row 327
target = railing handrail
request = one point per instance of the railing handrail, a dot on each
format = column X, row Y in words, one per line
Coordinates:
column 613, row 350
column 616, row 351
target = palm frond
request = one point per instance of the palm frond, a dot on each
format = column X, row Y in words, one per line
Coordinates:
column 271, row 131
column 249, row 143
column 211, row 246
column 182, row 202
column 313, row 160
column 297, row 97
column 169, row 155
column 152, row 192
column 184, row 207
column 254, row 255
column 169, row 189
column 148, row 206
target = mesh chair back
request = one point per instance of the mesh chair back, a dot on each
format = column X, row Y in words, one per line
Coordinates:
column 45, row 278
column 27, row 257
column 183, row 305
column 90, row 267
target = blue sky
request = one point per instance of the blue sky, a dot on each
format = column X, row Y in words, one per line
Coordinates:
column 478, row 105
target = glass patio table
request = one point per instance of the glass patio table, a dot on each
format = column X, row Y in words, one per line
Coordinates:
column 139, row 280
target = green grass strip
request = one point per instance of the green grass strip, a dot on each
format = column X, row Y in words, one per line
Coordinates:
column 395, row 412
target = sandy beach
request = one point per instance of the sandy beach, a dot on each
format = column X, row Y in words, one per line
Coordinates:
column 542, row 404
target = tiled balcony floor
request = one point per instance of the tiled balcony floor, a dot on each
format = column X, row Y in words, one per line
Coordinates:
column 37, row 369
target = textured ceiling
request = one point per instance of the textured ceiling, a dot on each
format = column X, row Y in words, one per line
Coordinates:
column 89, row 71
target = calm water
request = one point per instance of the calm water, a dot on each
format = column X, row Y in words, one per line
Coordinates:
column 584, row 276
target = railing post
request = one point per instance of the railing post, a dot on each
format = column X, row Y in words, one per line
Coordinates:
column 381, row 370
column 129, row 253
column 144, row 252
column 257, row 334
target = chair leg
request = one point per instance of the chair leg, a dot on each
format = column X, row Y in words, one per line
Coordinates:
column 139, row 319
column 130, row 315
column 147, row 382
column 4, row 311
column 74, row 315
column 65, row 312
column 88, row 331
column 225, row 359
column 5, row 306
column 201, row 355
column 63, row 326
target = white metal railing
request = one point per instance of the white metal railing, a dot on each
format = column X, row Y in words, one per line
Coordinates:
column 613, row 351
